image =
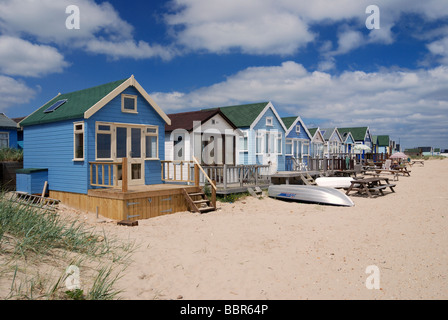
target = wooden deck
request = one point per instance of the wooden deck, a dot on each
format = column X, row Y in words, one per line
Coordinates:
column 138, row 202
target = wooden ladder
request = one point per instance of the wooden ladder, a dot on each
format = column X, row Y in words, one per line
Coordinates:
column 307, row 179
column 201, row 205
column 255, row 192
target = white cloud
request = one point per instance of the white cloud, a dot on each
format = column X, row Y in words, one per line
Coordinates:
column 101, row 31
column 45, row 20
column 22, row 58
column 386, row 101
column 439, row 48
column 254, row 27
column 130, row 49
column 13, row 92
column 283, row 26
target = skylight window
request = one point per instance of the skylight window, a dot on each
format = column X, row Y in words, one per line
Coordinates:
column 55, row 105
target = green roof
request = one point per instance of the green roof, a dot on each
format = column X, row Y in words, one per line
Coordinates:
column 77, row 103
column 383, row 140
column 358, row 133
column 243, row 115
column 288, row 121
column 312, row 131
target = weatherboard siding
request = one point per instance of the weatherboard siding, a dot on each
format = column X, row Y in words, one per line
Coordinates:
column 146, row 115
column 51, row 146
column 302, row 135
column 276, row 127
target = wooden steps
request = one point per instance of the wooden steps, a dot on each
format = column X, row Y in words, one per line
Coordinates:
column 255, row 192
column 307, row 179
column 198, row 202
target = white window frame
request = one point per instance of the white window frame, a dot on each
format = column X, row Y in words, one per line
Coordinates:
column 259, row 136
column 242, row 138
column 289, row 142
column 76, row 132
column 110, row 132
column 298, row 128
column 128, row 96
column 306, row 143
column 153, row 134
column 277, row 142
column 7, row 138
column 269, row 121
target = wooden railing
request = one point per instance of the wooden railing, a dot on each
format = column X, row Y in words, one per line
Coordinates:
column 238, row 175
column 105, row 174
column 177, row 171
column 225, row 176
column 332, row 163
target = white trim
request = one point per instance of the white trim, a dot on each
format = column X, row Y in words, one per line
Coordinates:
column 299, row 119
column 151, row 134
column 269, row 122
column 286, row 146
column 75, row 132
column 114, row 93
column 277, row 135
column 110, row 131
column 314, row 138
column 244, row 135
column 129, row 96
column 260, row 116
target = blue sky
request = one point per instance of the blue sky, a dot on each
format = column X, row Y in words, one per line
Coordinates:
column 316, row 59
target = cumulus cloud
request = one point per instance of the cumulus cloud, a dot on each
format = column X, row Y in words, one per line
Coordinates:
column 130, row 49
column 439, row 48
column 101, row 30
column 46, row 20
column 13, row 92
column 390, row 102
column 22, row 58
column 283, row 27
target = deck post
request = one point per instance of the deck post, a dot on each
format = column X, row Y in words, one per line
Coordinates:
column 214, row 194
column 196, row 175
column 224, row 176
column 124, row 175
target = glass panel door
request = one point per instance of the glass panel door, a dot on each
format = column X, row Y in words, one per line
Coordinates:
column 136, row 162
column 129, row 142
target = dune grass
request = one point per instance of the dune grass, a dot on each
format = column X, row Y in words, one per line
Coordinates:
column 37, row 247
column 11, row 154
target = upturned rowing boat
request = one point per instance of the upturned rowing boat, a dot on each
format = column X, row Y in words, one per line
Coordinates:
column 334, row 182
column 307, row 193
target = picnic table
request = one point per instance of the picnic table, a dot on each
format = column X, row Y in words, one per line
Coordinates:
column 422, row 162
column 347, row 173
column 369, row 185
column 399, row 170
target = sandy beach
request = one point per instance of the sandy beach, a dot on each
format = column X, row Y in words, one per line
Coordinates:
column 271, row 249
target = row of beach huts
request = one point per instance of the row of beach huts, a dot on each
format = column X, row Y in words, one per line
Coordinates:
column 112, row 148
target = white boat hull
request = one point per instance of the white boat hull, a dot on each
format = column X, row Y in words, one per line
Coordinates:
column 334, row 182
column 313, row 194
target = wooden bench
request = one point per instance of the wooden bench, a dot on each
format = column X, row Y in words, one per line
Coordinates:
column 422, row 162
column 370, row 184
column 381, row 187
